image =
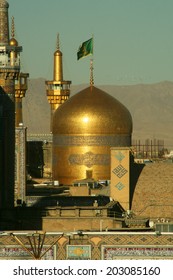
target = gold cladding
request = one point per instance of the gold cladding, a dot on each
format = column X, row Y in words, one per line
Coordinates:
column 84, row 129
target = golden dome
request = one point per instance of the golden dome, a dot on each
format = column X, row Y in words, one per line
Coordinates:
column 92, row 112
column 13, row 42
column 84, row 129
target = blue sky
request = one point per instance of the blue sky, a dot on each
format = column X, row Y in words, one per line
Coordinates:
column 133, row 39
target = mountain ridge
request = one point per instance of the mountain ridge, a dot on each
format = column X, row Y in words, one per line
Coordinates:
column 149, row 104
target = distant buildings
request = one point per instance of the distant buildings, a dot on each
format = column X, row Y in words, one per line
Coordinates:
column 148, row 149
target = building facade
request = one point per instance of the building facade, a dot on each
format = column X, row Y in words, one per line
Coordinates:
column 87, row 246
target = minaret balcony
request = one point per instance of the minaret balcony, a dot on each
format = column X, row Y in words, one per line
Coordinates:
column 58, row 92
column 9, row 65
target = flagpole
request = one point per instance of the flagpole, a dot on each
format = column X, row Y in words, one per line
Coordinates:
column 93, row 44
column 91, row 66
column 84, row 50
column 91, row 74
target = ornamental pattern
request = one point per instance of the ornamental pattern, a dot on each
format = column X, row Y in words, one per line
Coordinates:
column 20, row 176
column 106, row 246
column 119, row 171
column 110, row 253
column 112, row 141
column 89, row 159
column 119, row 186
column 79, row 252
column 16, row 252
column 119, row 156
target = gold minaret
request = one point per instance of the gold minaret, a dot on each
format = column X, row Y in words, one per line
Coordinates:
column 9, row 73
column 20, row 131
column 9, row 54
column 4, row 35
column 21, row 85
column 58, row 90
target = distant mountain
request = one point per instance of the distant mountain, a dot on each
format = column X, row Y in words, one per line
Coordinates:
column 151, row 107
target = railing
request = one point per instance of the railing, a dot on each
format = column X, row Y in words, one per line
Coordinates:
column 9, row 64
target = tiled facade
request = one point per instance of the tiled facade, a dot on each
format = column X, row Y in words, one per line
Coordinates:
column 120, row 176
column 95, row 246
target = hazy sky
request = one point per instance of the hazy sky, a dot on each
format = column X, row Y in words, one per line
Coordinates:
column 133, row 39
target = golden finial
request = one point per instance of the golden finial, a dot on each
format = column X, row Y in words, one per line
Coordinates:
column 57, row 43
column 12, row 28
column 91, row 73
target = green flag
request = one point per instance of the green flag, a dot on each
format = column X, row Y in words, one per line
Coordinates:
column 85, row 49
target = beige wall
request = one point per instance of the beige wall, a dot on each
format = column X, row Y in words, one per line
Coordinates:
column 79, row 191
column 75, row 224
column 120, row 176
